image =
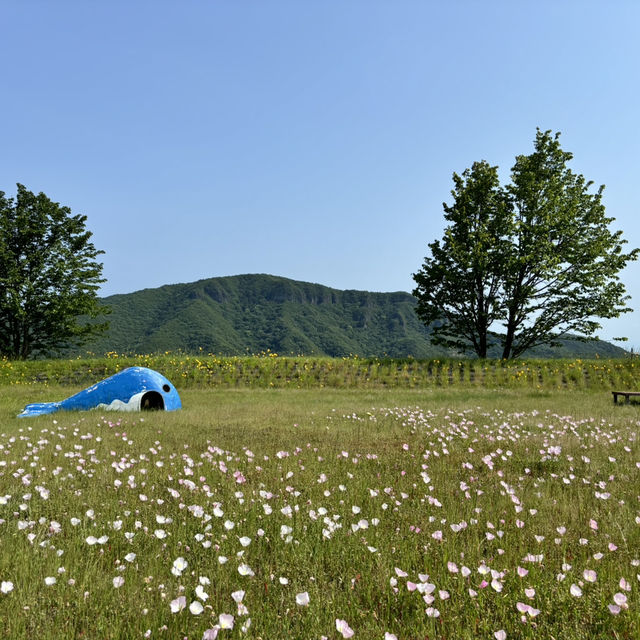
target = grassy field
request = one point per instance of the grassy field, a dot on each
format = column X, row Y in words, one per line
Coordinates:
column 268, row 370
column 451, row 509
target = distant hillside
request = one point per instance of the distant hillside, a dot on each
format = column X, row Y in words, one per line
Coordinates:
column 247, row 314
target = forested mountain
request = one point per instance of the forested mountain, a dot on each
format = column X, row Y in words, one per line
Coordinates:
column 248, row 314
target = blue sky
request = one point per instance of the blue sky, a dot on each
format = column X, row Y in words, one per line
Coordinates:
column 312, row 140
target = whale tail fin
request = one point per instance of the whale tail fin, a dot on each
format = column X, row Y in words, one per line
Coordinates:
column 39, row 409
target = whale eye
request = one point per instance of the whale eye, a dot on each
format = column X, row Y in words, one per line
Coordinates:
column 166, row 388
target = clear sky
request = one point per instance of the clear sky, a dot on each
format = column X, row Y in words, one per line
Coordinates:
column 308, row 139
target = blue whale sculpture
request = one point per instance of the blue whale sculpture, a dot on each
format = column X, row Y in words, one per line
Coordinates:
column 134, row 389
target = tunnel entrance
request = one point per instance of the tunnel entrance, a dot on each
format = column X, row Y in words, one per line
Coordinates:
column 152, row 401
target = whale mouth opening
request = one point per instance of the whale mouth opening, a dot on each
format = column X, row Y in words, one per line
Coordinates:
column 151, row 401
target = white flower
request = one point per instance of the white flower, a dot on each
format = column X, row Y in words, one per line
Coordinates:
column 285, row 530
column 179, row 565
column 237, row 596
column 620, row 599
column 130, row 557
column 302, row 599
column 178, row 604
column 196, row 608
column 6, row 586
column 118, row 581
column 201, row 593
column 225, row 620
column 343, row 627
column 50, row 581
column 245, row 570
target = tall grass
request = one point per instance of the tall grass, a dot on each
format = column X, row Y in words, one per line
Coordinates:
column 271, row 371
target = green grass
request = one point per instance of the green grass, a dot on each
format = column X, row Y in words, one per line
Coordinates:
column 269, row 370
column 485, row 450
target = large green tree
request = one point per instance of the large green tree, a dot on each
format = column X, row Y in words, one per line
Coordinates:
column 524, row 264
column 49, row 277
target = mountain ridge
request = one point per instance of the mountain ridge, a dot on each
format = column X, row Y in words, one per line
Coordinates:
column 253, row 313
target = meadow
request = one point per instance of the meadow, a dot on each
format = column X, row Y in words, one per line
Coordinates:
column 351, row 498
column 269, row 370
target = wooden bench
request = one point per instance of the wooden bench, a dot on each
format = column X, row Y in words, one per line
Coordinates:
column 625, row 394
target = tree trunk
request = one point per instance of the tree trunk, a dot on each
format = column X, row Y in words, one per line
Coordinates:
column 511, row 332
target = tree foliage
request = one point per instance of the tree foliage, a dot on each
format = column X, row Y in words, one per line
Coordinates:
column 524, row 264
column 49, row 277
